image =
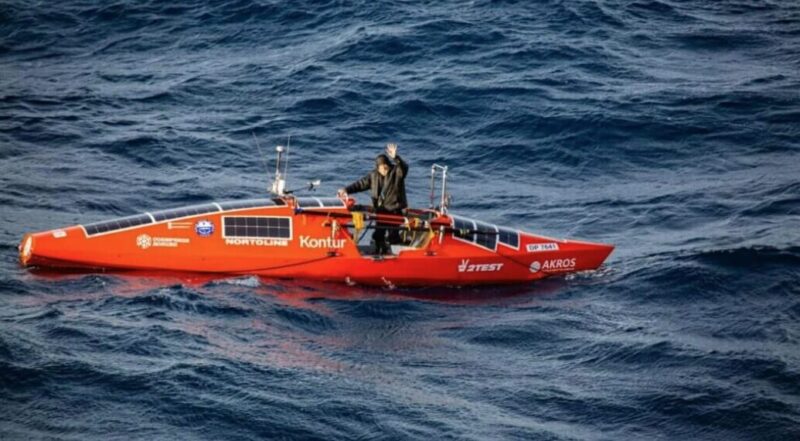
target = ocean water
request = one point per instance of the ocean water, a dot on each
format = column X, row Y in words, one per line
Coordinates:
column 668, row 128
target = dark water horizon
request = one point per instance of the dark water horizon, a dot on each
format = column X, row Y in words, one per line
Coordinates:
column 667, row 128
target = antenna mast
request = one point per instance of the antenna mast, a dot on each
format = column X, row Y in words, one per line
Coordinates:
column 445, row 200
column 279, row 184
column 286, row 163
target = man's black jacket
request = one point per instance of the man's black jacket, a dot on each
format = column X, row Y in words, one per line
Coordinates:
column 391, row 198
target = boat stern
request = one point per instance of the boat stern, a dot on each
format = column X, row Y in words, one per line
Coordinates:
column 51, row 248
column 25, row 250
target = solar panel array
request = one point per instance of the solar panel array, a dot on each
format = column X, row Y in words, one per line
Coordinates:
column 483, row 234
column 165, row 215
column 251, row 203
column 307, row 202
column 260, row 227
column 117, row 224
column 184, row 212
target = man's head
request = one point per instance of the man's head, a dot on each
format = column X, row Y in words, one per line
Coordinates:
column 382, row 164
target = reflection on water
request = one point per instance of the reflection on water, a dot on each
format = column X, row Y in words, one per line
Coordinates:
column 278, row 323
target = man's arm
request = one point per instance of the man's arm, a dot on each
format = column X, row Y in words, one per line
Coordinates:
column 360, row 185
column 402, row 164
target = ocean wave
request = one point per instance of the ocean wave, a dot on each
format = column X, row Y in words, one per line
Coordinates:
column 665, row 128
column 514, row 337
column 181, row 299
column 373, row 47
column 750, row 257
column 307, row 320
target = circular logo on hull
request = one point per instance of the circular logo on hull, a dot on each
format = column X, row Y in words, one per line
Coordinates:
column 204, row 228
column 144, row 241
column 535, row 266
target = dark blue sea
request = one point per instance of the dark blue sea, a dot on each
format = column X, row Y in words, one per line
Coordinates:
column 668, row 128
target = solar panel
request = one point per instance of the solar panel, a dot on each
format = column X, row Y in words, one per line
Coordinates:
column 257, row 226
column 308, row 203
column 117, row 224
column 250, row 203
column 332, row 202
column 460, row 224
column 489, row 239
column 184, row 212
column 509, row 237
column 471, row 231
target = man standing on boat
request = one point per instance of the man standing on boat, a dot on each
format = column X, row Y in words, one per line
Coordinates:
column 387, row 187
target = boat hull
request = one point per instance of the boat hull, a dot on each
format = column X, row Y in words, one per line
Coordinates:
column 319, row 244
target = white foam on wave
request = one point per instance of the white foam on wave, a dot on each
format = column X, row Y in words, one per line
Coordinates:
column 247, row 281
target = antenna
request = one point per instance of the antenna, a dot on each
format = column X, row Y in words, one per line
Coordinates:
column 286, row 164
column 445, row 200
column 278, row 187
column 279, row 184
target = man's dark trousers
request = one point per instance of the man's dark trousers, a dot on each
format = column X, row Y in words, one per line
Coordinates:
column 382, row 244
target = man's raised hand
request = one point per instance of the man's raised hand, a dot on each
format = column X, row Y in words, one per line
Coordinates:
column 391, row 150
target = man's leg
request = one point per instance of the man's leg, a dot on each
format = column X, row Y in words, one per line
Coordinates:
column 379, row 238
column 394, row 233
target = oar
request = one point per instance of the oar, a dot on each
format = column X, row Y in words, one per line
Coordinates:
column 461, row 231
column 380, row 217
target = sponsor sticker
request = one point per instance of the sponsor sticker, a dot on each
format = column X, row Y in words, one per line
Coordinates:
column 178, row 225
column 204, row 228
column 169, row 242
column 58, row 234
column 553, row 265
column 312, row 242
column 542, row 247
column 145, row 241
column 256, row 242
column 466, row 267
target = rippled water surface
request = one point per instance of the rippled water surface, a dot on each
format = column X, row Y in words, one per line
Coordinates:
column 667, row 128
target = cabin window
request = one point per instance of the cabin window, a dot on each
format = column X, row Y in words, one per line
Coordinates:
column 270, row 227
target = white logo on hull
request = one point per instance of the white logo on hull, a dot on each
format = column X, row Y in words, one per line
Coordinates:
column 466, row 267
column 178, row 225
column 541, row 247
column 144, row 241
column 311, row 242
column 257, row 242
column 553, row 265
